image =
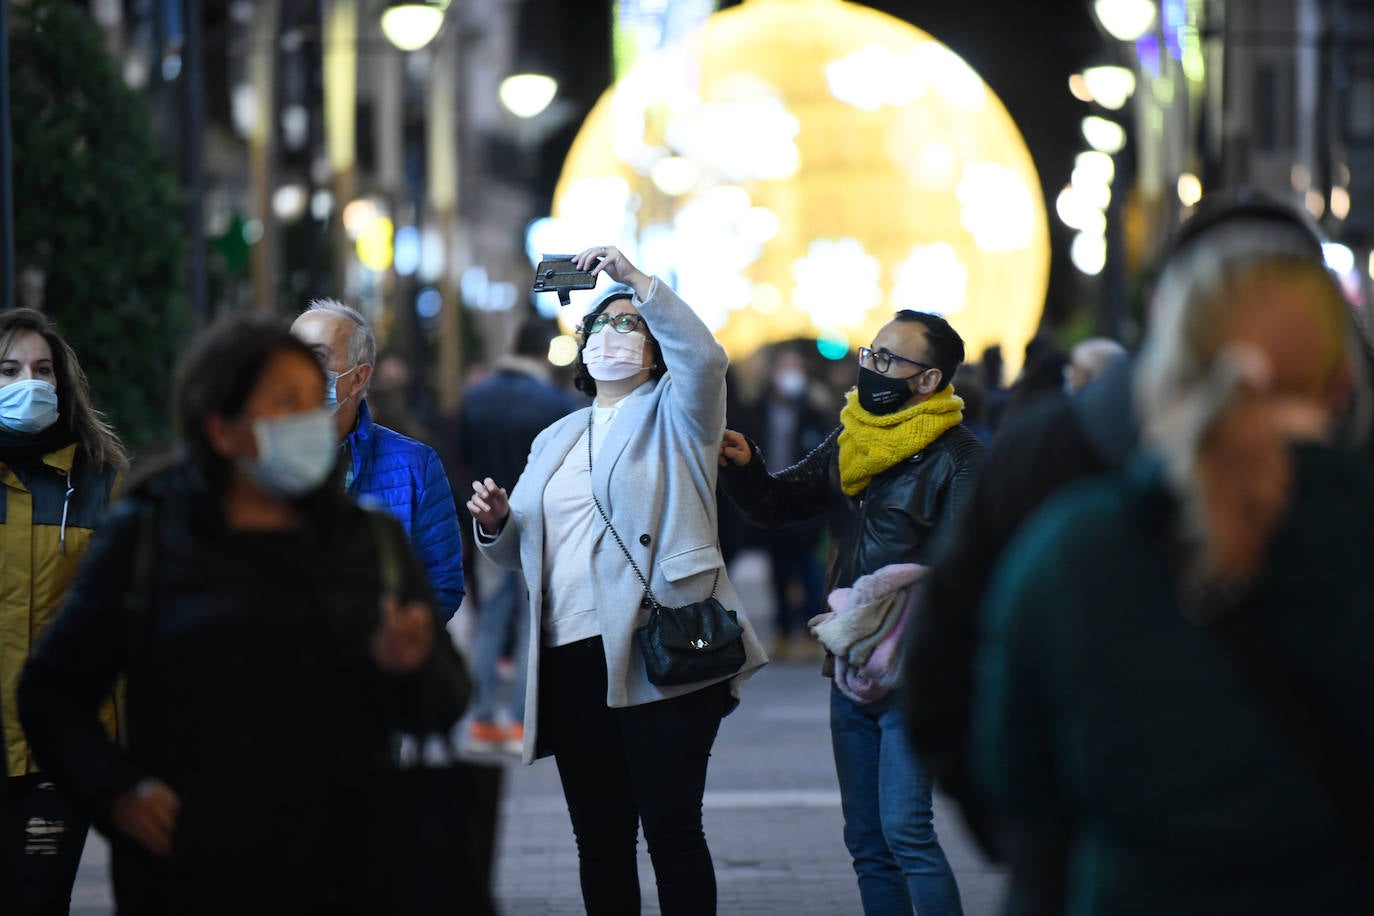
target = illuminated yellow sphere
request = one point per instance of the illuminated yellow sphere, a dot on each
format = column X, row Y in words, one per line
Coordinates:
column 806, row 168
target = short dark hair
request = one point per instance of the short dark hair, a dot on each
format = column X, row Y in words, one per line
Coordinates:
column 533, row 337
column 583, row 380
column 946, row 346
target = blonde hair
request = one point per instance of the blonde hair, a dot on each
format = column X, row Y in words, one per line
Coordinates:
column 1238, row 326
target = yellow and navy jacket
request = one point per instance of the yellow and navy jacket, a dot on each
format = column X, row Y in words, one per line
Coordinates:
column 47, row 514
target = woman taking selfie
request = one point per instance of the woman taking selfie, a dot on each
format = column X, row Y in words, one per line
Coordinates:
column 615, row 511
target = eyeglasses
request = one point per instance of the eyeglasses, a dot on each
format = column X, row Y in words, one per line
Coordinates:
column 623, row 323
column 881, row 360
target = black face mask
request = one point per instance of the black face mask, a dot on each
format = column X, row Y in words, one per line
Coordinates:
column 879, row 394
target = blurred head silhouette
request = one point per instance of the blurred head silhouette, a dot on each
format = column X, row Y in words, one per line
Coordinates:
column 1248, row 350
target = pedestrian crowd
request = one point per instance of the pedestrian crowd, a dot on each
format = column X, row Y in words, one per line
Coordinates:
column 1116, row 611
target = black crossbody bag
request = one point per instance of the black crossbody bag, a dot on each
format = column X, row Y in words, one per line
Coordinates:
column 681, row 645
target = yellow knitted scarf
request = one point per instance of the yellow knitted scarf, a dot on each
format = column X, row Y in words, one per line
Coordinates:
column 871, row 443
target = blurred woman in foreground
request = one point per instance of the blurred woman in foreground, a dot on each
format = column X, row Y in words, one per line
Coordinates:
column 1169, row 652
column 274, row 636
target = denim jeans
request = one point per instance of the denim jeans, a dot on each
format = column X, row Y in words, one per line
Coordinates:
column 888, row 823
column 503, row 604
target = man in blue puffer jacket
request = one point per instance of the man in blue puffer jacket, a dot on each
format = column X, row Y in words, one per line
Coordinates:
column 385, row 469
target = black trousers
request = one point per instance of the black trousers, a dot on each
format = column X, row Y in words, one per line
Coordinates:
column 48, row 833
column 624, row 767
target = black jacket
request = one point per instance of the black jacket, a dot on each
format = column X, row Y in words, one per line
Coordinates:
column 897, row 518
column 251, row 692
column 1050, row 444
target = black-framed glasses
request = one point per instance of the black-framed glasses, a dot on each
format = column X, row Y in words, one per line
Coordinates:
column 881, row 360
column 623, row 323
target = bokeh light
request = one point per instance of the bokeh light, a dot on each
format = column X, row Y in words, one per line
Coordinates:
column 806, row 167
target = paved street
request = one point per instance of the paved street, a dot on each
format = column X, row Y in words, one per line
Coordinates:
column 772, row 814
column 772, row 818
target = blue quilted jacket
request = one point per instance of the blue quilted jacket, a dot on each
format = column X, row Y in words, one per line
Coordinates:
column 405, row 477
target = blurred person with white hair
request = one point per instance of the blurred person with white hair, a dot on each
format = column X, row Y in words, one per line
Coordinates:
column 1088, row 359
column 1058, row 442
column 1169, row 652
column 383, row 468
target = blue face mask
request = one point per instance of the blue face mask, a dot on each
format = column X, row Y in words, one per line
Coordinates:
column 331, row 387
column 29, row 406
column 295, row 453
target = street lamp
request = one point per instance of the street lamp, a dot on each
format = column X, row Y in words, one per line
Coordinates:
column 1109, row 85
column 412, row 25
column 1125, row 20
column 526, row 95
column 1103, row 135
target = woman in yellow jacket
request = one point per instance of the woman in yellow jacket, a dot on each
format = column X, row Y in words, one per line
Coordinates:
column 59, row 461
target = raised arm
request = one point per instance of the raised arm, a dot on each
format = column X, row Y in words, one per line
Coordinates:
column 691, row 354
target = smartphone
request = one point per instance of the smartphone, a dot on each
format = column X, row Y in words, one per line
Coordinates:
column 558, row 272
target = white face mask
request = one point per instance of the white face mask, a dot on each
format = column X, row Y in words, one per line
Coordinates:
column 295, row 453
column 611, row 356
column 28, row 406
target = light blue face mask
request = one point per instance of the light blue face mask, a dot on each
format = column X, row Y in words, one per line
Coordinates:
column 331, row 387
column 295, row 453
column 29, row 406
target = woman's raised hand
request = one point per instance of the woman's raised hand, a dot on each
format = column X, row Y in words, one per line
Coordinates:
column 611, row 261
column 489, row 503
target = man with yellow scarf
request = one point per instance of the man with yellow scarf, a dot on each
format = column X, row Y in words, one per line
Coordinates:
column 888, row 482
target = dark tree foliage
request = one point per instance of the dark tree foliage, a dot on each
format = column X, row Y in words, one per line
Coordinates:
column 98, row 232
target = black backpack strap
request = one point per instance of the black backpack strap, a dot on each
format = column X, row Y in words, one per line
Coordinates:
column 1312, row 733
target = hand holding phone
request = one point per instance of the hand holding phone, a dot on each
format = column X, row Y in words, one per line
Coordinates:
column 558, row 273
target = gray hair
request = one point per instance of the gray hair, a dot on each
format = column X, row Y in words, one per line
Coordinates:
column 1180, row 391
column 362, row 345
column 1187, row 379
column 1091, row 357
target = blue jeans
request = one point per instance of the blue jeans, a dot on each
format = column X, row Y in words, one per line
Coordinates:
column 503, row 603
column 888, row 824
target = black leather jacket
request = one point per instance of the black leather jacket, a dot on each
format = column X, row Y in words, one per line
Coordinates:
column 898, row 517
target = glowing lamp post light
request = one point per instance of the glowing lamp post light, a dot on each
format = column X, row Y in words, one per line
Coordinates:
column 801, row 188
column 1125, row 20
column 1103, row 135
column 410, row 26
column 1110, row 86
column 526, row 95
